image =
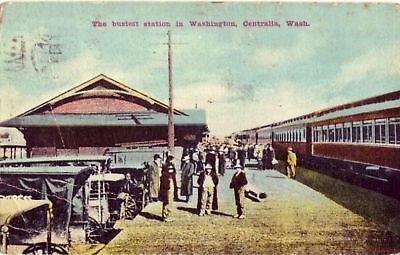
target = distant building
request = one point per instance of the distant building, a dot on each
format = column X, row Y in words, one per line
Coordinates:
column 102, row 114
column 11, row 146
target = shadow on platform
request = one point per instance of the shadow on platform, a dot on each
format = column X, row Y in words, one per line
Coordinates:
column 151, row 216
column 188, row 209
column 195, row 211
column 221, row 214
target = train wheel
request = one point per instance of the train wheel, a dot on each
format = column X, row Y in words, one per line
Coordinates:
column 40, row 248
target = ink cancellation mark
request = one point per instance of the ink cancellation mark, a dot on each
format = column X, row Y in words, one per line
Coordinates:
column 43, row 52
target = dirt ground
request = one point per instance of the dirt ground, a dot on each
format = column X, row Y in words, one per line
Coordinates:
column 293, row 219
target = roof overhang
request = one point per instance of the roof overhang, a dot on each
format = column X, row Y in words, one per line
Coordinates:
column 147, row 119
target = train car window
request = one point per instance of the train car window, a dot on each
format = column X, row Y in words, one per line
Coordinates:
column 394, row 131
column 325, row 134
column 380, row 131
column 313, row 131
column 339, row 132
column 367, row 131
column 317, row 134
column 356, row 132
column 347, row 132
column 331, row 133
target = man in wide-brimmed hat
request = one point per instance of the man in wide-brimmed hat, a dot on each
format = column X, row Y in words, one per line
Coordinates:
column 238, row 183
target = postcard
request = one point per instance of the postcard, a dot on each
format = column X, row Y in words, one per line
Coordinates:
column 199, row 127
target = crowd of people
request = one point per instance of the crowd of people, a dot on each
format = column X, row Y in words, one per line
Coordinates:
column 208, row 161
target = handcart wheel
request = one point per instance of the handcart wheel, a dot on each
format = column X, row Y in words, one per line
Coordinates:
column 40, row 248
column 94, row 231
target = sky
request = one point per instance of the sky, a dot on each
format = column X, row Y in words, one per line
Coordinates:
column 243, row 77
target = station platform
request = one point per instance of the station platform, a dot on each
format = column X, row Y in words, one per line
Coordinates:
column 293, row 219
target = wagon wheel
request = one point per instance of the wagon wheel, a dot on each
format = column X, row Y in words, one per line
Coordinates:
column 129, row 209
column 40, row 248
column 94, row 231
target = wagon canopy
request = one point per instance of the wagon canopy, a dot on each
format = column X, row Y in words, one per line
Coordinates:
column 58, row 184
column 11, row 208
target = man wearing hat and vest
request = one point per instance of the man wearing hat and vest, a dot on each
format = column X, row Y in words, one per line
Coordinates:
column 207, row 181
column 238, row 183
column 291, row 163
column 167, row 187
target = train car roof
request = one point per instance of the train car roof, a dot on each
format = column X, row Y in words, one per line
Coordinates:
column 378, row 103
column 393, row 104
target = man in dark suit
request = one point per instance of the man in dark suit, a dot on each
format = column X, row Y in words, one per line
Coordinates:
column 167, row 187
column 238, row 184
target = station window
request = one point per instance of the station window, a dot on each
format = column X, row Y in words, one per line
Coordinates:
column 380, row 131
column 394, row 130
column 339, row 132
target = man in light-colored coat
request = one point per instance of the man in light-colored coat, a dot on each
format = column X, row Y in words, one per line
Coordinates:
column 291, row 163
column 154, row 177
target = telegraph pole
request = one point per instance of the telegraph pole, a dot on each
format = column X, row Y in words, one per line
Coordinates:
column 171, row 130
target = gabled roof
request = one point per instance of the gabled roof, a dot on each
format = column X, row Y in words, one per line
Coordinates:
column 95, row 87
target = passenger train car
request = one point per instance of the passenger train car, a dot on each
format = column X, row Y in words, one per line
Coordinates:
column 358, row 141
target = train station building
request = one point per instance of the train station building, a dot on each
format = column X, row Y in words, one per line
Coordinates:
column 102, row 114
